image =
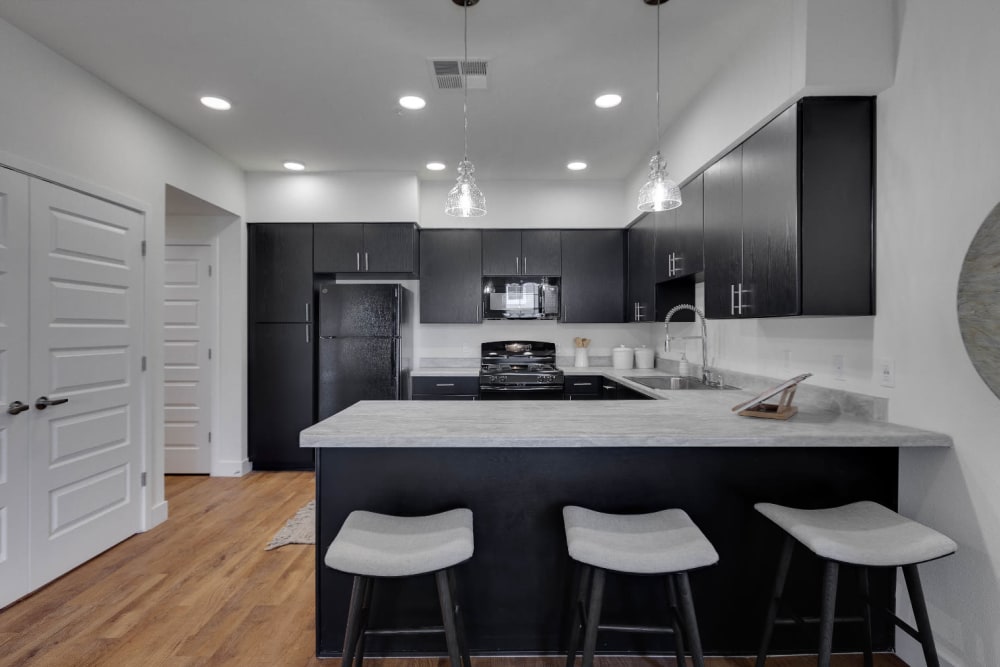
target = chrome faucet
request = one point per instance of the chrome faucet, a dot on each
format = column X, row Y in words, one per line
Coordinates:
column 705, row 376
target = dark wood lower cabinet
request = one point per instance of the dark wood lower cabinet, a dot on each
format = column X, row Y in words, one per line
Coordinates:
column 281, row 395
column 446, row 388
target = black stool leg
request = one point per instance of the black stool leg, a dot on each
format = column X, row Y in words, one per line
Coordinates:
column 690, row 622
column 577, row 616
column 867, row 611
column 675, row 615
column 353, row 619
column 916, row 592
column 366, row 606
column 463, row 647
column 784, row 561
column 448, row 617
column 593, row 617
column 828, row 608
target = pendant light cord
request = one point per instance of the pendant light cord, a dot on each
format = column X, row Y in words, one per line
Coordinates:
column 465, row 77
column 658, row 76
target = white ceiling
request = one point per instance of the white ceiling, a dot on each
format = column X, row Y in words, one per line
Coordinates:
column 319, row 81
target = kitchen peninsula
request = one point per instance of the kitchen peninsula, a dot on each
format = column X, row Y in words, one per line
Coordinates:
column 515, row 464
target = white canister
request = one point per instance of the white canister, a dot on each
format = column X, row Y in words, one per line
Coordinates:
column 582, row 358
column 621, row 357
column 645, row 357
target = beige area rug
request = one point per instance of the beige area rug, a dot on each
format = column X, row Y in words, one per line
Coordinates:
column 300, row 529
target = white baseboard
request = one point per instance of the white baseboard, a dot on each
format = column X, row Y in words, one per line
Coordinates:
column 157, row 515
column 231, row 468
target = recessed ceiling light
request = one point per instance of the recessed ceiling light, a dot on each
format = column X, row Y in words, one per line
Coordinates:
column 412, row 102
column 294, row 166
column 435, row 166
column 608, row 100
column 217, row 103
column 576, row 166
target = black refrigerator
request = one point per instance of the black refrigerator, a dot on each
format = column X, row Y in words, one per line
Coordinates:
column 365, row 345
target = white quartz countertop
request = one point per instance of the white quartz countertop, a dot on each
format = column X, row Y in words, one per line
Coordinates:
column 683, row 419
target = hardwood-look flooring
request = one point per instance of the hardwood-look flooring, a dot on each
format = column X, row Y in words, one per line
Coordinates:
column 200, row 590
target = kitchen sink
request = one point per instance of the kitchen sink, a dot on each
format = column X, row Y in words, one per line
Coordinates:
column 665, row 382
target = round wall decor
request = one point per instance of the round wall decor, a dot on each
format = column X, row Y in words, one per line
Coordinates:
column 979, row 301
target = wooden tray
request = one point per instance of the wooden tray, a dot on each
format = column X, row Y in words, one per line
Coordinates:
column 783, row 409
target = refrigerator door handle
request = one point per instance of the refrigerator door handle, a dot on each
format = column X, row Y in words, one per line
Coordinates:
column 397, row 360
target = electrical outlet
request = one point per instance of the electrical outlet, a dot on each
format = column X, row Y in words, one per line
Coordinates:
column 886, row 369
column 839, row 366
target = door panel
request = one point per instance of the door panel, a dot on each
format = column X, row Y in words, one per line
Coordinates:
column 593, row 275
column 723, row 234
column 501, row 252
column 13, row 386
column 541, row 252
column 358, row 310
column 189, row 327
column 451, row 275
column 86, row 281
column 389, row 248
column 281, row 272
column 339, row 248
column 356, row 369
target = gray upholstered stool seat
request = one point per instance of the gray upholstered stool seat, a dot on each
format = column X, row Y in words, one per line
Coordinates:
column 654, row 543
column 664, row 543
column 374, row 546
column 862, row 533
column 381, row 545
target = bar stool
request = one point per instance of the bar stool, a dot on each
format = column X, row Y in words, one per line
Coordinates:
column 864, row 534
column 660, row 543
column 373, row 546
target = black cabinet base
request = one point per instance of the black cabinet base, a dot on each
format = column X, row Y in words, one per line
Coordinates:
column 515, row 588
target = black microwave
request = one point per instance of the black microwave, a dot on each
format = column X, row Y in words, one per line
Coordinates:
column 520, row 298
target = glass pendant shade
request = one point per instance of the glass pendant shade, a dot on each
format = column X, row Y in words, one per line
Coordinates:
column 465, row 200
column 659, row 192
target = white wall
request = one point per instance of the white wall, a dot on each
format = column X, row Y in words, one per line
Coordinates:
column 58, row 121
column 332, row 197
column 938, row 177
column 512, row 204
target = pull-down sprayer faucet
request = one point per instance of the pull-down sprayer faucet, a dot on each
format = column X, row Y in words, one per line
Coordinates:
column 704, row 337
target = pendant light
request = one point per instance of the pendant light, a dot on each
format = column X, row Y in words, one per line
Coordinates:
column 659, row 192
column 465, row 200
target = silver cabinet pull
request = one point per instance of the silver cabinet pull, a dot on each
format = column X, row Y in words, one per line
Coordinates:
column 583, row 384
column 307, row 333
column 732, row 299
column 670, row 264
column 357, row 260
column 43, row 402
column 444, row 384
column 517, row 265
column 17, row 407
column 366, row 261
column 307, row 311
column 525, row 264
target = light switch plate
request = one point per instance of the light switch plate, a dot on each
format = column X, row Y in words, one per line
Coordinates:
column 886, row 370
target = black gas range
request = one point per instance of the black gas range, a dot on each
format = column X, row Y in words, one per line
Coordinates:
column 514, row 369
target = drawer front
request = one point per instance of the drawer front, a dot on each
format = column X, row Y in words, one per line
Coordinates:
column 446, row 386
column 582, row 385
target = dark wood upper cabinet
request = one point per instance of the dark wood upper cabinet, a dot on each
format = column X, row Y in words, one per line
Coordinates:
column 789, row 215
column 384, row 248
column 666, row 242
column 593, row 275
column 723, row 234
column 281, row 272
column 640, row 306
column 688, row 251
column 521, row 252
column 451, row 276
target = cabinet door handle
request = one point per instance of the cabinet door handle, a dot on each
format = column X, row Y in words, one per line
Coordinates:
column 307, row 311
column 732, row 299
column 583, row 384
column 307, row 333
column 17, row 407
column 357, row 260
column 517, row 265
column 444, row 384
column 525, row 265
column 43, row 402
column 670, row 265
column 366, row 261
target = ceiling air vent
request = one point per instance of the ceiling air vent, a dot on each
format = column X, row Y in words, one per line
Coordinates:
column 447, row 73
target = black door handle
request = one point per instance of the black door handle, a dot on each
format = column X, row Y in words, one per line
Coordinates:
column 17, row 407
column 43, row 402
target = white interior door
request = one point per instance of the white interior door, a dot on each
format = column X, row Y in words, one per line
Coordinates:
column 188, row 315
column 86, row 330
column 13, row 386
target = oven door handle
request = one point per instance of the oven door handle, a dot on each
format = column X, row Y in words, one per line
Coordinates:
column 539, row 388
